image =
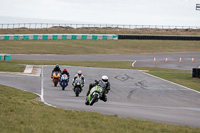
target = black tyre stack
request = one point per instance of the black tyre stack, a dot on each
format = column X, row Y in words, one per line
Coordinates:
column 196, row 72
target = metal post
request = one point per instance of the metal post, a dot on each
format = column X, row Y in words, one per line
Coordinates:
column 71, row 27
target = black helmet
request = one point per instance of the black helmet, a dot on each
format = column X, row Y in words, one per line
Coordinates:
column 57, row 66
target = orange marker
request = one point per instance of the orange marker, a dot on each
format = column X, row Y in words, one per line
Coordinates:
column 180, row 60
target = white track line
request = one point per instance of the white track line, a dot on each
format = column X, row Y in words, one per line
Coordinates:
column 171, row 82
column 42, row 90
column 133, row 63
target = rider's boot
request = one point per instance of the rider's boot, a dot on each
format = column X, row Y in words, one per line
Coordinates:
column 104, row 98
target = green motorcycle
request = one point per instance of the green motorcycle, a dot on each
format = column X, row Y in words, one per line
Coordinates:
column 95, row 94
column 78, row 85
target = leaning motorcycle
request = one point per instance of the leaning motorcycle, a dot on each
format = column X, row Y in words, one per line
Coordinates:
column 56, row 78
column 78, row 86
column 64, row 81
column 95, row 94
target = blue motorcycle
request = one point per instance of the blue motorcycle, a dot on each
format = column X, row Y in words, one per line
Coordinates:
column 64, row 81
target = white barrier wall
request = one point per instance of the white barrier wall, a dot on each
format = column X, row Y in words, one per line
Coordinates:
column 59, row 36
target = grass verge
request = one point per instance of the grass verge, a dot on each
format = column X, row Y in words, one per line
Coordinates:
column 5, row 67
column 81, row 47
column 19, row 113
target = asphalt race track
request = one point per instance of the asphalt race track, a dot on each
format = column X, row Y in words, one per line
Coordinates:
column 133, row 94
column 143, row 60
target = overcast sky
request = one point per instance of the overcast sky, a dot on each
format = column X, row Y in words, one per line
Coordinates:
column 134, row 12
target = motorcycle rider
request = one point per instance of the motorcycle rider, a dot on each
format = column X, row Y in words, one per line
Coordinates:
column 104, row 80
column 65, row 72
column 56, row 69
column 79, row 75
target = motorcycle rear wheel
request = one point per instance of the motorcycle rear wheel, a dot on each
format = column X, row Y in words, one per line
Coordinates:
column 55, row 82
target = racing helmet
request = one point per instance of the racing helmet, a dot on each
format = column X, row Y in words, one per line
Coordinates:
column 104, row 78
column 79, row 73
column 57, row 66
column 64, row 70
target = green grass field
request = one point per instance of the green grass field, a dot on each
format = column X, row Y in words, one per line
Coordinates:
column 80, row 47
column 21, row 114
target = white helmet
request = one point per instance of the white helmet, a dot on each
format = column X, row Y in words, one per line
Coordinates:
column 104, row 78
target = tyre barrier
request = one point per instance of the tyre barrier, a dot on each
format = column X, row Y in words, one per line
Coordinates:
column 59, row 37
column 159, row 37
column 196, row 72
column 5, row 57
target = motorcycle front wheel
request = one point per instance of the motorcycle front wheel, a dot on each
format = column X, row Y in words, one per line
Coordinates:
column 94, row 99
column 77, row 91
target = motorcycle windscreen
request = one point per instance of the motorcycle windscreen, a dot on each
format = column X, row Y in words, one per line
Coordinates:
column 64, row 77
column 102, row 84
column 78, row 80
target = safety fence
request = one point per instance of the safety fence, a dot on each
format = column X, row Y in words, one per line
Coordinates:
column 88, row 26
column 94, row 37
column 58, row 36
column 159, row 37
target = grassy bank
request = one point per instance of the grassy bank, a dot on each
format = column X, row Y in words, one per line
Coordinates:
column 80, row 47
column 108, row 30
column 182, row 77
column 21, row 114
